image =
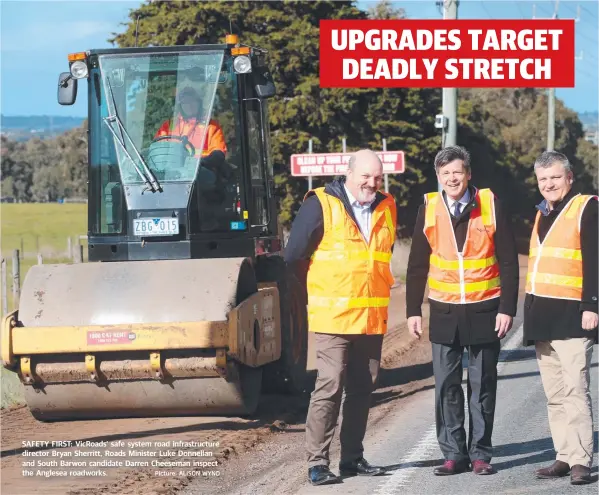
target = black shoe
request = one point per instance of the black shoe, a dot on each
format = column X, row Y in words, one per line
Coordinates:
column 321, row 475
column 359, row 468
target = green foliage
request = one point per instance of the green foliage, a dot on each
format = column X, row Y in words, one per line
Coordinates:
column 152, row 105
column 46, row 170
column 587, row 157
column 12, row 392
column 384, row 9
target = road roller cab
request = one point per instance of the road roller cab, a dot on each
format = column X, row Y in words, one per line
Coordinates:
column 179, row 151
column 185, row 305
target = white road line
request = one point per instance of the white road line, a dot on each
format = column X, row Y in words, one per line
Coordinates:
column 428, row 443
column 420, row 452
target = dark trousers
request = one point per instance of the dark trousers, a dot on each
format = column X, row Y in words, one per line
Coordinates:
column 449, row 400
column 345, row 363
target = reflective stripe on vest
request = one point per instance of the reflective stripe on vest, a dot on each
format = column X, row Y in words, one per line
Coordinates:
column 359, row 255
column 470, row 287
column 348, row 302
column 469, row 276
column 467, row 264
column 349, row 280
column 555, row 265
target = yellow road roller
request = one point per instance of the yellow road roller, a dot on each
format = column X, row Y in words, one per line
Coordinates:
column 185, row 306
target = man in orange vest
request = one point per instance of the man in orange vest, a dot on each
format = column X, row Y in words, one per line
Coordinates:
column 560, row 312
column 340, row 247
column 189, row 122
column 464, row 248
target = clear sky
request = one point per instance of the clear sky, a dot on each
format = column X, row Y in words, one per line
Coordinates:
column 36, row 37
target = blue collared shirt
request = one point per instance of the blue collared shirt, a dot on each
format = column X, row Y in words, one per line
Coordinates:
column 464, row 200
column 362, row 212
column 543, row 207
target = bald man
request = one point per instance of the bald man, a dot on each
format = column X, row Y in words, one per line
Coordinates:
column 340, row 249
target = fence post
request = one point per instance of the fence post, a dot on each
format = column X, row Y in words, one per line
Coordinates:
column 78, row 254
column 16, row 278
column 83, row 248
column 4, row 285
column 79, row 250
column 69, row 248
column 40, row 259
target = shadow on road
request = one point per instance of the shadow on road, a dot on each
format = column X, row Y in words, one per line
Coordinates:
column 379, row 398
column 517, row 355
column 528, row 447
column 394, row 377
column 518, row 375
column 406, row 374
column 528, row 374
column 417, row 464
column 540, row 450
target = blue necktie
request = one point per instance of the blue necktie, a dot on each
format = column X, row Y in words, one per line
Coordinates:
column 456, row 211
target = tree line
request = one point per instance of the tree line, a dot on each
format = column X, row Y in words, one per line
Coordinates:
column 504, row 129
column 42, row 170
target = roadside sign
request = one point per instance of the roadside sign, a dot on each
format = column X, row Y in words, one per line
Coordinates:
column 322, row 164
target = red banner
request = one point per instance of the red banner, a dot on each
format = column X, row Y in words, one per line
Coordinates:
column 317, row 164
column 447, row 53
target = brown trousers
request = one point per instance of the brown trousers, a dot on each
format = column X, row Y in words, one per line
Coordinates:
column 345, row 363
column 565, row 366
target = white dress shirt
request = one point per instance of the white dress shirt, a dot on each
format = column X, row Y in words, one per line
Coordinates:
column 362, row 213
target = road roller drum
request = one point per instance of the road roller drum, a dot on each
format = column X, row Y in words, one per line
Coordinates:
column 123, row 316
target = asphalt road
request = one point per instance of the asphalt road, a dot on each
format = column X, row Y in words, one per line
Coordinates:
column 406, row 441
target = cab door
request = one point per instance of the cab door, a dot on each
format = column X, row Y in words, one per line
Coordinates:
column 259, row 165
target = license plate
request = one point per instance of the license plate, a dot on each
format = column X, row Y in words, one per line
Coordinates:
column 155, row 226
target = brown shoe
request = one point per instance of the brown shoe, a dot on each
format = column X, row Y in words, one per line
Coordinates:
column 482, row 467
column 580, row 475
column 557, row 470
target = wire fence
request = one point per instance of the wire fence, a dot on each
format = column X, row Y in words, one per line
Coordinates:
column 49, row 246
column 16, row 265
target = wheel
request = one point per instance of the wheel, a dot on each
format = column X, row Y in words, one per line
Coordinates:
column 287, row 375
column 182, row 139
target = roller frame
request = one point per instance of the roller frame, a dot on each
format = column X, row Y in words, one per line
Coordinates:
column 233, row 339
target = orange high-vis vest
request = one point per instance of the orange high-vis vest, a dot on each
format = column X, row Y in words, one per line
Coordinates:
column 472, row 275
column 555, row 265
column 194, row 130
column 349, row 279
